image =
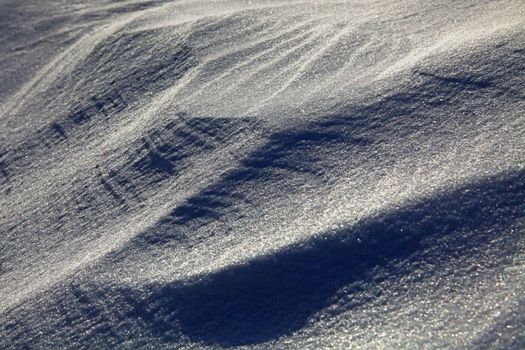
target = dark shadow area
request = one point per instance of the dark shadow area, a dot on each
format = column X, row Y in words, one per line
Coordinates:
column 275, row 295
column 291, row 153
column 464, row 81
column 154, row 162
column 305, row 152
column 3, row 168
column 164, row 150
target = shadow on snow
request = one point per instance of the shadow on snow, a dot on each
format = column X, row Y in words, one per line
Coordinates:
column 276, row 295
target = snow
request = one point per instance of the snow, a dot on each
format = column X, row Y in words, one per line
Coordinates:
column 262, row 174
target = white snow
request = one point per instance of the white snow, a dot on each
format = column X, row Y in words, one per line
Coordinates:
column 262, row 174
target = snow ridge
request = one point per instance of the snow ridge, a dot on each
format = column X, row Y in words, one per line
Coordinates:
column 273, row 174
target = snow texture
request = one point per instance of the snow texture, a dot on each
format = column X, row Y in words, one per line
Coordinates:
column 262, row 174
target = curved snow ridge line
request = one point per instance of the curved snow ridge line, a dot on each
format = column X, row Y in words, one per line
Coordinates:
column 388, row 77
column 89, row 154
column 458, row 80
column 246, row 53
column 394, row 100
column 452, row 43
column 449, row 46
column 110, row 109
column 301, row 66
column 275, row 295
column 65, row 62
column 461, row 150
column 275, row 74
column 34, row 187
column 105, row 104
column 84, row 254
column 267, row 42
column 254, row 75
column 121, row 7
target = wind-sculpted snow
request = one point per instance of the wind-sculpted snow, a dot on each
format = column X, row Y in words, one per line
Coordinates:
column 339, row 276
column 271, row 174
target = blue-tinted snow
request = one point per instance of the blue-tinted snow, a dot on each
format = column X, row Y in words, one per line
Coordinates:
column 262, row 174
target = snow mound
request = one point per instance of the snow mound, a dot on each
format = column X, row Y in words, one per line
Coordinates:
column 271, row 174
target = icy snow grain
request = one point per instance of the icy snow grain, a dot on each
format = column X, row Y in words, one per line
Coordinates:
column 262, row 174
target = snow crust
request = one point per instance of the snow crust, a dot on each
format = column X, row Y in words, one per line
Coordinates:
column 262, row 174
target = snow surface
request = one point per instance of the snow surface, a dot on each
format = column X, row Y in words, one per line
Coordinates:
column 262, row 174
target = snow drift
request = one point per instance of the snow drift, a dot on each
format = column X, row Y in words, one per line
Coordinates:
column 271, row 174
